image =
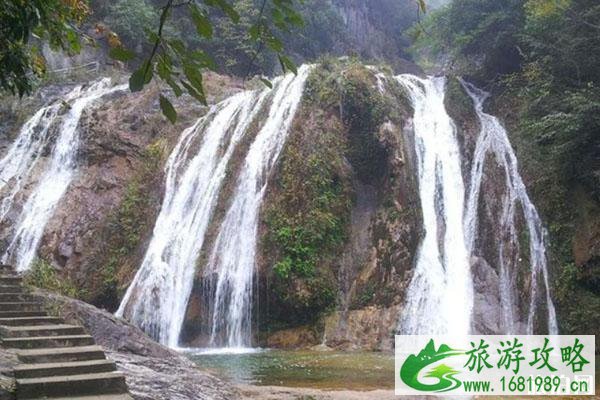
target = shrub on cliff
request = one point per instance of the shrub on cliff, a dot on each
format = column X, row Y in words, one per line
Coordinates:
column 43, row 275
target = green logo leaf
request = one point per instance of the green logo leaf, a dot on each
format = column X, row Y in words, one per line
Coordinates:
column 414, row 364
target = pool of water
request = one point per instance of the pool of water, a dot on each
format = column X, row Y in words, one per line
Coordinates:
column 306, row 368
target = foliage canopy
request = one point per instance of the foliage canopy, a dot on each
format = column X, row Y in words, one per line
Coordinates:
column 24, row 26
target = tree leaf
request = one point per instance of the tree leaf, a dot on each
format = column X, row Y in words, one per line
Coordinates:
column 422, row 5
column 163, row 67
column 136, row 80
column 202, row 23
column 193, row 92
column 176, row 88
column 226, row 8
column 206, row 60
column 194, row 76
column 267, row 83
column 121, row 54
column 254, row 31
column 274, row 44
column 287, row 64
column 178, row 46
column 167, row 109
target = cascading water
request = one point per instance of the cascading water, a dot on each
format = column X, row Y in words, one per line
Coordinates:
column 158, row 296
column 61, row 169
column 440, row 294
column 232, row 261
column 493, row 140
column 23, row 154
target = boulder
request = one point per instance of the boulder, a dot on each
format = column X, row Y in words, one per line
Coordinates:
column 152, row 371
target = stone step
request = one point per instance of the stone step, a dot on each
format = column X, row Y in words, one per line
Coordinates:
column 40, row 330
column 22, row 306
column 17, row 314
column 71, row 385
column 44, row 342
column 10, row 280
column 11, row 289
column 17, row 297
column 7, row 270
column 24, row 371
column 63, row 354
column 30, row 321
column 97, row 397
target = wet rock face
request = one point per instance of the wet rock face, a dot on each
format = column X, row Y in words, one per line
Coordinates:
column 124, row 141
column 487, row 311
column 370, row 33
column 124, row 144
column 151, row 378
column 380, row 253
column 294, row 338
column 461, row 109
column 109, row 158
column 371, row 328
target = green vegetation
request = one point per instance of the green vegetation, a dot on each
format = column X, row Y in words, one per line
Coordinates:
column 51, row 21
column 130, row 18
column 322, row 87
column 156, row 52
column 176, row 42
column 308, row 213
column 366, row 296
column 42, row 275
column 316, row 199
column 481, row 36
column 179, row 63
column 307, row 220
column 308, row 216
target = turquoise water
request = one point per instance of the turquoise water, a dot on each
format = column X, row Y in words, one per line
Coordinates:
column 314, row 369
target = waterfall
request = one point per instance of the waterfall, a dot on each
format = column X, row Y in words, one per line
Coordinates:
column 440, row 293
column 157, row 298
column 22, row 156
column 232, row 261
column 439, row 298
column 60, row 171
column 493, row 139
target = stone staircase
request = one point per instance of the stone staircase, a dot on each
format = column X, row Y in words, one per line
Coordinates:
column 58, row 360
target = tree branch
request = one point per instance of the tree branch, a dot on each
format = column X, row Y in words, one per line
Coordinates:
column 260, row 45
column 163, row 19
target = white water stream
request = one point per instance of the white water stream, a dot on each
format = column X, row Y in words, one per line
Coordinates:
column 440, row 299
column 60, row 171
column 233, row 255
column 157, row 299
column 440, row 294
column 22, row 156
column 493, row 140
